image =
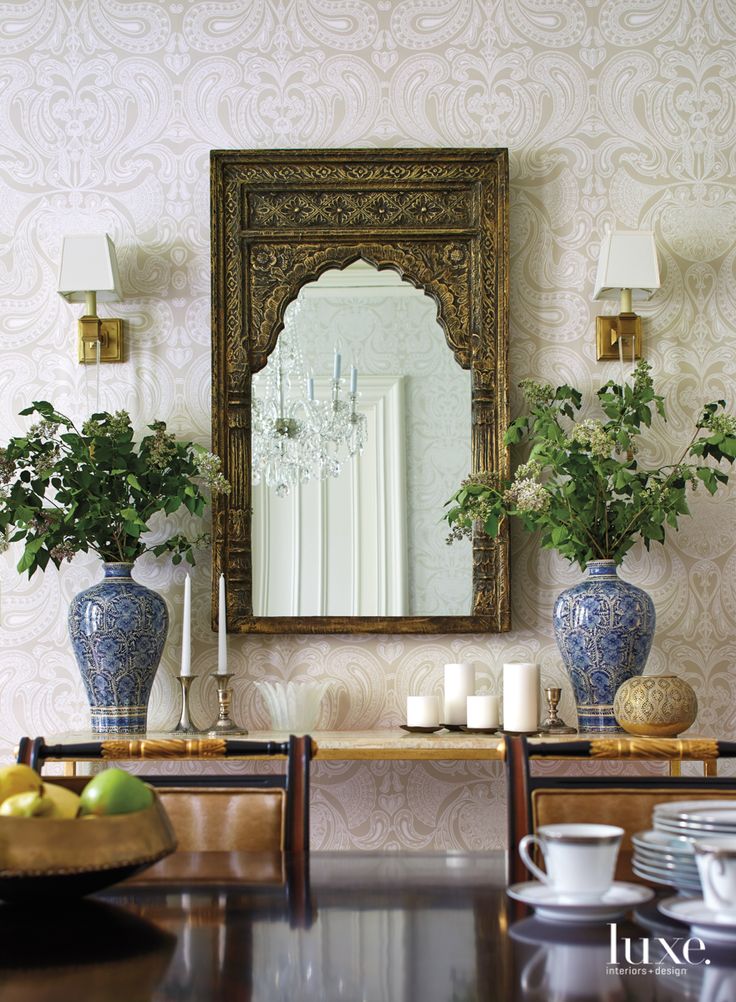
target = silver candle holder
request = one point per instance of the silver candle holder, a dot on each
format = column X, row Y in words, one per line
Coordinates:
column 185, row 725
column 224, row 723
column 554, row 723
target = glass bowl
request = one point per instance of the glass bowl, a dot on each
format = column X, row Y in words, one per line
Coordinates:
column 293, row 706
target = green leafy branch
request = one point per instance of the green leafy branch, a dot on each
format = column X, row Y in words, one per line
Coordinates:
column 65, row 490
column 582, row 486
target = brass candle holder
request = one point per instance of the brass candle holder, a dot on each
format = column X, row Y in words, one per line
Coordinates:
column 224, row 723
column 553, row 724
column 185, row 725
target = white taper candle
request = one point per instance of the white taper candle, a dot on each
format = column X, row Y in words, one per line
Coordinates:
column 186, row 630
column 222, row 630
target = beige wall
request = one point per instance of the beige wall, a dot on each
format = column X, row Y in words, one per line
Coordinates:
column 615, row 113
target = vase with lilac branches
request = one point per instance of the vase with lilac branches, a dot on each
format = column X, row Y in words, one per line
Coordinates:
column 585, row 489
column 66, row 490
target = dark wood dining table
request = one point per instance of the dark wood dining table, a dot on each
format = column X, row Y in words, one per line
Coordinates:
column 327, row 927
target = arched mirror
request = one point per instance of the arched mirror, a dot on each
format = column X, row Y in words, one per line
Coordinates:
column 359, row 372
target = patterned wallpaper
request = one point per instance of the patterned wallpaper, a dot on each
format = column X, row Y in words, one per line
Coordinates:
column 617, row 112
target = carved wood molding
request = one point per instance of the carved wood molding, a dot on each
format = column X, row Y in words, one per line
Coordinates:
column 654, row 748
column 279, row 220
column 164, row 748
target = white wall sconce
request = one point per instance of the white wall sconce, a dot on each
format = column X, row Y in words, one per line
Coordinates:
column 628, row 267
column 88, row 272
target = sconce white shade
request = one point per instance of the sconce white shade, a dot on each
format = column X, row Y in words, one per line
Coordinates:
column 628, row 260
column 88, row 264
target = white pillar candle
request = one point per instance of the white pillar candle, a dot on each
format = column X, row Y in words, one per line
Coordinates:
column 521, row 696
column 222, row 630
column 422, row 711
column 353, row 379
column 459, row 684
column 337, row 365
column 483, row 712
column 186, row 630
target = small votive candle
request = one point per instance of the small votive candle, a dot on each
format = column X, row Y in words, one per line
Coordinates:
column 521, row 697
column 482, row 712
column 459, row 684
column 422, row 711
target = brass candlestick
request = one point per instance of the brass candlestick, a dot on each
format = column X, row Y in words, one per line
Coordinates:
column 553, row 724
column 185, row 725
column 224, row 723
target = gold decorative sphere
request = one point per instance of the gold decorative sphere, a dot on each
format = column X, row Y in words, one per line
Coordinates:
column 661, row 706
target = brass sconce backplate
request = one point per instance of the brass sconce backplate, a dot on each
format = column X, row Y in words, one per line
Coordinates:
column 610, row 330
column 109, row 331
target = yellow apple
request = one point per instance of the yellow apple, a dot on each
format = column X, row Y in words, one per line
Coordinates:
column 66, row 802
column 18, row 779
column 27, row 805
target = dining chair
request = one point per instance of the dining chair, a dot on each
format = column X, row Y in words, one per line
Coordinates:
column 623, row 800
column 223, row 812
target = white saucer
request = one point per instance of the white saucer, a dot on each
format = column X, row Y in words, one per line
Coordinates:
column 708, row 925
column 547, row 905
column 534, row 932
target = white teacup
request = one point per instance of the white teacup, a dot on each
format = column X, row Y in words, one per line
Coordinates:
column 716, row 859
column 579, row 858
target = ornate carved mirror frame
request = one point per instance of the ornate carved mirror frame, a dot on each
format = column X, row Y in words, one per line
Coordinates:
column 281, row 218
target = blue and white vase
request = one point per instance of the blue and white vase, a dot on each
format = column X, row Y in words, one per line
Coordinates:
column 118, row 629
column 604, row 628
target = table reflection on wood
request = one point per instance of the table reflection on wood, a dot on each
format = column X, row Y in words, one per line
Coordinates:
column 390, row 927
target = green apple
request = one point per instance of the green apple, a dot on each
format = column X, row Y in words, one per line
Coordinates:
column 27, row 805
column 115, row 791
column 18, row 779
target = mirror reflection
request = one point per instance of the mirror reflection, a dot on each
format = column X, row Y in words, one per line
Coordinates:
column 360, row 434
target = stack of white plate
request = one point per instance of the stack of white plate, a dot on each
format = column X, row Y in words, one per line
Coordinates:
column 696, row 818
column 666, row 859
column 665, row 855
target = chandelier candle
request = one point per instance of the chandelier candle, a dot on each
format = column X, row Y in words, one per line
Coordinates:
column 186, row 631
column 483, row 712
column 222, row 630
column 521, row 697
column 295, row 435
column 459, row 684
column 422, row 711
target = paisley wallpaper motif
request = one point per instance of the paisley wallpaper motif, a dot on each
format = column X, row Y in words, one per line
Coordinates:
column 615, row 112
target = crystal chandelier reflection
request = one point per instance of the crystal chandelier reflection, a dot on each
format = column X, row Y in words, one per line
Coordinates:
column 296, row 437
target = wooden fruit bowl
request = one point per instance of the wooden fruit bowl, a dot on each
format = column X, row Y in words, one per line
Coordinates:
column 41, row 857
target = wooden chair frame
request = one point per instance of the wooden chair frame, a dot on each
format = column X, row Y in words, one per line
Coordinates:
column 522, row 784
column 298, row 752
